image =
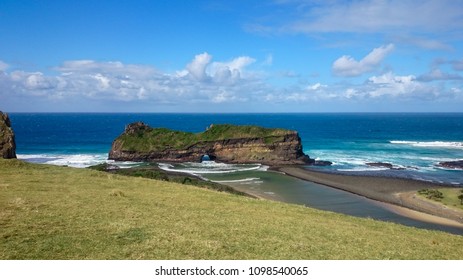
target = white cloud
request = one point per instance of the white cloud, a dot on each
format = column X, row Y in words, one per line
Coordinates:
column 376, row 16
column 224, row 97
column 316, row 86
column 347, row 66
column 238, row 63
column 392, row 85
column 351, row 93
column 197, row 68
column 37, row 81
column 3, row 66
column 380, row 88
column 437, row 74
column 103, row 81
column 229, row 71
column 421, row 42
column 428, row 24
column 115, row 68
column 202, row 69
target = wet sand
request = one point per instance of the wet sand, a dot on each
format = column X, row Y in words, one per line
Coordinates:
column 398, row 193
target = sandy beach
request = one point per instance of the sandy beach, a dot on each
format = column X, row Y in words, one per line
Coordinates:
column 398, row 194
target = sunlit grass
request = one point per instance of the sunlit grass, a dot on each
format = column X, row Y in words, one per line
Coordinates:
column 449, row 197
column 49, row 212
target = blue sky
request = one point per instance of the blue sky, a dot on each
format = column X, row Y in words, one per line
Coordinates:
column 231, row 56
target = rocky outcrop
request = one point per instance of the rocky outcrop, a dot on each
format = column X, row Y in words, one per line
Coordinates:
column 7, row 142
column 222, row 143
column 385, row 165
column 458, row 164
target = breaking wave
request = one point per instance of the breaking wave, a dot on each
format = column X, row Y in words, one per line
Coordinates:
column 74, row 160
column 211, row 167
column 240, row 181
column 430, row 144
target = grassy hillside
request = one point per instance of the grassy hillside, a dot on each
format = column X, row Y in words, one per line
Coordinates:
column 161, row 138
column 49, row 212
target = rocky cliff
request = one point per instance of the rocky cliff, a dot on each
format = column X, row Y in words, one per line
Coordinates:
column 7, row 142
column 223, row 143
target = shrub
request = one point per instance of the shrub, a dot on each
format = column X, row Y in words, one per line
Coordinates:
column 460, row 197
column 432, row 194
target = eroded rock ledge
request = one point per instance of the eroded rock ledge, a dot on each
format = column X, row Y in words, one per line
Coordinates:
column 224, row 143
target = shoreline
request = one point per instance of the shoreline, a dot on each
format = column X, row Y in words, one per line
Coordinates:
column 395, row 194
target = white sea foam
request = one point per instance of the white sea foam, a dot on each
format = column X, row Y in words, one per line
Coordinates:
column 125, row 164
column 237, row 181
column 446, row 168
column 361, row 169
column 263, row 168
column 36, row 156
column 252, row 183
column 246, row 180
column 75, row 160
column 430, row 144
column 211, row 167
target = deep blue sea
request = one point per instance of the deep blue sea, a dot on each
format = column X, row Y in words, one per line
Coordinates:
column 413, row 143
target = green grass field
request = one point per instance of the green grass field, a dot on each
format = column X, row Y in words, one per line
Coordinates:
column 50, row 212
column 449, row 197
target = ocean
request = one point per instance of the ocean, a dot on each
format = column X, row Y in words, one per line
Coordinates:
column 414, row 143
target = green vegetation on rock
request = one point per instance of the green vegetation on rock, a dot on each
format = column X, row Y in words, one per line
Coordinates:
column 161, row 138
column 51, row 212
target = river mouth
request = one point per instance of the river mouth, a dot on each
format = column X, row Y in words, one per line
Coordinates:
column 257, row 180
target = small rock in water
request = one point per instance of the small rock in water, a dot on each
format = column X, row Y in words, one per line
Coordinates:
column 458, row 164
column 322, row 163
column 380, row 164
column 385, row 165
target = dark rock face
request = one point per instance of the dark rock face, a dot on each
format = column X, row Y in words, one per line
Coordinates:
column 136, row 128
column 7, row 142
column 452, row 164
column 286, row 148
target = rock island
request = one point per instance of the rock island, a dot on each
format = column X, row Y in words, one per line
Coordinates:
column 223, row 143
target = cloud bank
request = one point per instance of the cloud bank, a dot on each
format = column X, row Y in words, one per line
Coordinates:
column 224, row 85
column 200, row 80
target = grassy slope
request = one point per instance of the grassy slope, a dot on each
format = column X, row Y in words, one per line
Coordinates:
column 160, row 138
column 450, row 198
column 49, row 212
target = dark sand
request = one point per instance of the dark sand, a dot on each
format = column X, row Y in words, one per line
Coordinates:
column 399, row 192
